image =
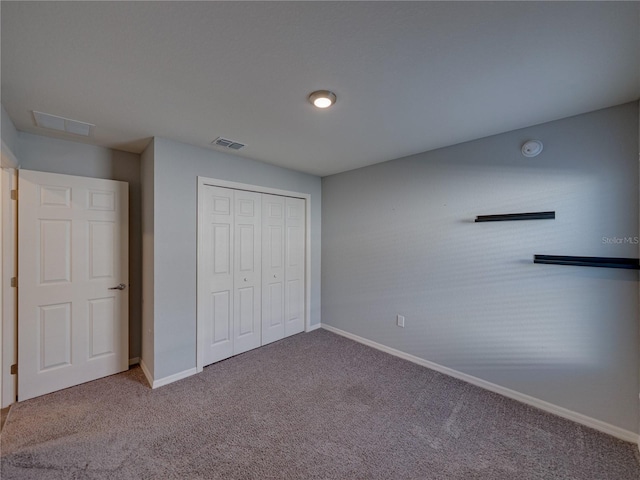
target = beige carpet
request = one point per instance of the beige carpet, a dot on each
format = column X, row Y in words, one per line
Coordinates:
column 3, row 417
column 313, row 406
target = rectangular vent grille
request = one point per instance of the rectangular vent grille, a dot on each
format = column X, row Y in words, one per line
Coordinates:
column 61, row 124
column 224, row 142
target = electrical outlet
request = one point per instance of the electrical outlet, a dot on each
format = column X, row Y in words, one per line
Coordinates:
column 400, row 320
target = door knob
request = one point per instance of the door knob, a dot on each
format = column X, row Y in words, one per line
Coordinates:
column 120, row 286
column 275, row 276
column 245, row 279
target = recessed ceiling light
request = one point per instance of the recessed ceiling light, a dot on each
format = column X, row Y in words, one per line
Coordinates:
column 322, row 98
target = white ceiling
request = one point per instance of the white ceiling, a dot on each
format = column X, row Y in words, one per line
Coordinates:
column 410, row 76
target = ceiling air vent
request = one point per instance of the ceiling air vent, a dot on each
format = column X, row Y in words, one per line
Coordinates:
column 224, row 142
column 61, row 124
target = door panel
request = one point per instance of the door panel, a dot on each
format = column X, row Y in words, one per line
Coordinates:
column 247, row 246
column 101, row 332
column 55, row 196
column 218, row 260
column 272, row 268
column 294, row 311
column 247, row 271
column 246, row 312
column 294, row 271
column 73, row 247
column 102, row 254
column 222, row 249
column 54, row 342
column 101, row 200
column 221, row 317
column 276, row 312
column 55, row 251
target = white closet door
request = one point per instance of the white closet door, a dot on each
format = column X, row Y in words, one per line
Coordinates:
column 273, row 257
column 73, row 240
column 251, row 271
column 247, row 271
column 294, row 265
column 217, row 259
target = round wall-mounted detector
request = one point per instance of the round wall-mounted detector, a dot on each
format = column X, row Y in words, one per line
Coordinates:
column 322, row 98
column 532, row 148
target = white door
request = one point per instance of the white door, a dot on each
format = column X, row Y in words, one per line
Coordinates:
column 231, row 232
column 251, row 270
column 216, row 306
column 247, row 271
column 72, row 253
column 294, row 266
column 272, row 268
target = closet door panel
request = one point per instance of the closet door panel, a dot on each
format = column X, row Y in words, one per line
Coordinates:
column 218, row 259
column 247, row 266
column 273, row 256
column 246, row 311
column 294, row 265
column 221, row 319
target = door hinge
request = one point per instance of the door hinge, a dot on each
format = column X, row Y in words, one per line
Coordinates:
column 14, row 194
column 14, row 282
column 14, row 369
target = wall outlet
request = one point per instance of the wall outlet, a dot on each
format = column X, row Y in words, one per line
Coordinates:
column 400, row 320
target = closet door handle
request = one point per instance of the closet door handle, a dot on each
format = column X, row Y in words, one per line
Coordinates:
column 245, row 279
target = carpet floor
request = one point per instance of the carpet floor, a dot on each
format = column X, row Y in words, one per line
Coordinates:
column 312, row 406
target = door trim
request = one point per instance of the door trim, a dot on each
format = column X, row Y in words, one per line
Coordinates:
column 215, row 182
column 9, row 324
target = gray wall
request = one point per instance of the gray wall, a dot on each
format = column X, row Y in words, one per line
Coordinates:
column 8, row 131
column 399, row 237
column 60, row 156
column 176, row 168
column 147, row 181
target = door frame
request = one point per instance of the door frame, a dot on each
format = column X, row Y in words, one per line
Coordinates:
column 200, row 282
column 9, row 310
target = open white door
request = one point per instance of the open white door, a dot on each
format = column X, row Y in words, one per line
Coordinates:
column 73, row 273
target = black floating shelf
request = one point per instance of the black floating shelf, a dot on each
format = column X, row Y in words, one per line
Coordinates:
column 606, row 262
column 516, row 216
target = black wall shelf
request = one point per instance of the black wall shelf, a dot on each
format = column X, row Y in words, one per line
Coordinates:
column 516, row 216
column 606, row 262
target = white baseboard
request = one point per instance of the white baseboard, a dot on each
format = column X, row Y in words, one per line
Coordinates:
column 161, row 382
column 146, row 372
column 599, row 425
column 134, row 361
column 314, row 327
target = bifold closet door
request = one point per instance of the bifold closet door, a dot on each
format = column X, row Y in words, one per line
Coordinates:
column 294, row 265
column 232, row 255
column 273, row 258
column 247, row 271
column 253, row 250
column 283, row 247
column 217, row 258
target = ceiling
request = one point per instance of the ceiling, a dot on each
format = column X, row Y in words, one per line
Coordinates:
column 409, row 76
